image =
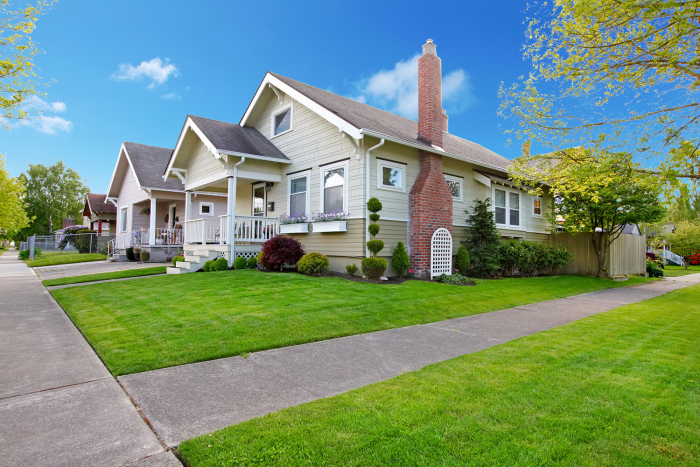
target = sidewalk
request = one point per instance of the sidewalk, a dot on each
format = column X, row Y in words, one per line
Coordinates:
column 190, row 400
column 59, row 406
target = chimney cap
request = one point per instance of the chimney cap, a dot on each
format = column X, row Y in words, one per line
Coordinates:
column 429, row 48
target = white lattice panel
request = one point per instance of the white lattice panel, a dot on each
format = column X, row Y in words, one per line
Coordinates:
column 246, row 254
column 441, row 253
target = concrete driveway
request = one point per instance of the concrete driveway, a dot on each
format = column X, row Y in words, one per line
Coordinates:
column 94, row 267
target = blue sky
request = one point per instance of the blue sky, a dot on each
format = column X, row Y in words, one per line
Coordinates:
column 132, row 70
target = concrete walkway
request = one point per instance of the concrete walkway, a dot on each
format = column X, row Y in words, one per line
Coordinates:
column 189, row 400
column 59, row 406
column 92, row 267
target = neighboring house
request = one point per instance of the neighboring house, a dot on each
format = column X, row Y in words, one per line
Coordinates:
column 99, row 215
column 150, row 210
column 300, row 148
column 631, row 229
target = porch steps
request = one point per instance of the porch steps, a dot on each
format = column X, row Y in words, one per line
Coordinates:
column 194, row 262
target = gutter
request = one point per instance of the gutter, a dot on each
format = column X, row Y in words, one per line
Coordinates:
column 367, row 167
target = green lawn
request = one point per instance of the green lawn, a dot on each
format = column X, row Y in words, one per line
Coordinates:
column 53, row 259
column 619, row 388
column 103, row 276
column 675, row 271
column 164, row 321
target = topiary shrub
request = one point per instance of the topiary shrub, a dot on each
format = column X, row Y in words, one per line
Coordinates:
column 462, row 262
column 130, row 254
column 400, row 260
column 252, row 262
column 313, row 264
column 220, row 264
column 207, row 265
column 281, row 250
column 454, row 279
column 240, row 263
column 373, row 267
column 145, row 256
column 351, row 269
column 176, row 259
column 375, row 246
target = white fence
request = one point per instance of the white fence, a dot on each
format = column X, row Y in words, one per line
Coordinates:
column 256, row 229
column 667, row 255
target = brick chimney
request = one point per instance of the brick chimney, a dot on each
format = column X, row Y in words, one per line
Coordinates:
column 430, row 200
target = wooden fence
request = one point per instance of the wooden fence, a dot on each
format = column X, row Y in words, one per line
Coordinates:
column 627, row 255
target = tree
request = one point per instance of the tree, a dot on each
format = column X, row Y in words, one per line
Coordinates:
column 12, row 215
column 613, row 75
column 483, row 239
column 685, row 240
column 52, row 193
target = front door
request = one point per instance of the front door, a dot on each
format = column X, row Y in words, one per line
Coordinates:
column 259, row 199
column 171, row 217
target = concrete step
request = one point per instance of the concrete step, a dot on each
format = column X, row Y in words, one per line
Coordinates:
column 173, row 271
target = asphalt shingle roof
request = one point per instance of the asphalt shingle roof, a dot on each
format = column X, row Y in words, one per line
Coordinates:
column 98, row 204
column 149, row 164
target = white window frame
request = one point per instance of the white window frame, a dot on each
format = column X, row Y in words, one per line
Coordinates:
column 306, row 174
column 125, row 218
column 206, row 203
column 337, row 165
column 459, row 180
column 507, row 225
column 282, row 109
column 132, row 174
column 381, row 163
column 536, row 198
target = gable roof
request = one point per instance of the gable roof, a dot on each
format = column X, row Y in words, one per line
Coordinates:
column 98, row 203
column 381, row 122
column 149, row 163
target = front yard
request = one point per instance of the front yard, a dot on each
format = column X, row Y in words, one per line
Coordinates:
column 676, row 271
column 53, row 259
column 619, row 388
column 158, row 322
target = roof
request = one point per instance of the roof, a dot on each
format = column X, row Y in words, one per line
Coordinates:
column 501, row 179
column 380, row 121
column 632, row 229
column 232, row 137
column 98, row 203
column 149, row 163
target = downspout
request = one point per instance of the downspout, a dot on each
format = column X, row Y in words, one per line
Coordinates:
column 367, row 167
column 231, row 208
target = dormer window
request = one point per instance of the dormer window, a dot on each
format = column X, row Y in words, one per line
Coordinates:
column 282, row 121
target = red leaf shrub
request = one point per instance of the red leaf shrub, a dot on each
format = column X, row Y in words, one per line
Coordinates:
column 695, row 258
column 281, row 250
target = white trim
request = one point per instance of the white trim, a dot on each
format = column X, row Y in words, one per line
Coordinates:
column 211, row 208
column 305, row 174
column 126, row 219
column 122, row 150
column 209, row 193
column 254, row 156
column 189, row 124
column 381, row 163
column 275, row 113
column 260, row 176
column 252, row 199
column 532, row 211
column 345, row 166
column 207, row 180
column 459, row 180
column 508, row 191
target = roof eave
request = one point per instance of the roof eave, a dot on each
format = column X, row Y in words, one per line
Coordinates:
column 254, row 156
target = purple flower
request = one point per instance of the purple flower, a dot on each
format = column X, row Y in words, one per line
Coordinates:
column 330, row 216
column 296, row 218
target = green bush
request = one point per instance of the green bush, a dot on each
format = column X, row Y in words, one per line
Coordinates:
column 145, row 256
column 529, row 258
column 455, row 279
column 373, row 229
column 252, row 262
column 86, row 241
column 130, row 254
column 351, row 269
column 176, row 259
column 313, row 263
column 375, row 246
column 373, row 268
column 374, row 217
column 483, row 239
column 462, row 262
column 240, row 263
column 374, row 206
column 400, row 260
column 207, row 265
column 653, row 269
column 24, row 254
column 220, row 264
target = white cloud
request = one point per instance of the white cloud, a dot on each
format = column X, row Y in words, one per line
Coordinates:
column 172, row 95
column 157, row 70
column 51, row 125
column 396, row 90
column 36, row 107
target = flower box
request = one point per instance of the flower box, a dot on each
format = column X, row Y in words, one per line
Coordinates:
column 300, row 227
column 332, row 226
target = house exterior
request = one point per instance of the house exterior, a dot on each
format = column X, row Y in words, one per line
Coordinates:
column 149, row 211
column 99, row 215
column 298, row 148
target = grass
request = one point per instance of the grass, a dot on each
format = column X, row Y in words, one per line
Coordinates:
column 619, row 388
column 137, row 326
column 676, row 271
column 103, row 276
column 53, row 259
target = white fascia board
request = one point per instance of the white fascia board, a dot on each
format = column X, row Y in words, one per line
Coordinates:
column 482, row 179
column 131, row 166
column 114, row 172
column 259, row 176
column 254, row 156
column 189, row 124
column 334, row 119
column 163, row 189
column 206, row 181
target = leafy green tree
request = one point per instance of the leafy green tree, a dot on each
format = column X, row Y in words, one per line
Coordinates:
column 12, row 215
column 483, row 238
column 684, row 240
column 52, row 194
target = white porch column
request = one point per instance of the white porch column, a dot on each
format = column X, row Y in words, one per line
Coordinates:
column 152, row 230
column 231, row 211
column 188, row 213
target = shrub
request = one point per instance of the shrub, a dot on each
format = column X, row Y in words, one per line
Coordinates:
column 483, row 239
column 374, row 206
column 555, row 257
column 351, row 269
column 220, row 264
column 130, row 254
column 252, row 262
column 373, row 229
column 24, row 254
column 373, row 268
column 400, row 260
column 260, row 256
column 374, row 217
column 653, row 269
column 240, row 263
column 313, row 263
column 85, row 241
column 104, row 249
column 207, row 265
column 462, row 262
column 145, row 256
column 455, row 279
column 529, row 258
column 375, row 246
column 281, row 250
column 176, row 259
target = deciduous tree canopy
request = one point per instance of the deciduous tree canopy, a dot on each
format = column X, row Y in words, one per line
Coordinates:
column 12, row 215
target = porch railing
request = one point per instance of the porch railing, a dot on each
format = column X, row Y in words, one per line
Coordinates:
column 196, row 231
column 164, row 237
column 255, row 228
column 223, row 229
column 120, row 243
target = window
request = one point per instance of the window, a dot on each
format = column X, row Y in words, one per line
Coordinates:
column 334, row 187
column 506, row 204
column 391, row 175
column 536, row 206
column 455, row 184
column 298, row 194
column 122, row 219
column 206, row 209
column 132, row 175
column 282, row 121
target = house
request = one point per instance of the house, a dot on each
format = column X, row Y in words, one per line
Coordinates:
column 298, row 148
column 149, row 210
column 99, row 215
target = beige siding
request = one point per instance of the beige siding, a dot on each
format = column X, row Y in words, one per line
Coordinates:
column 394, row 203
column 129, row 193
column 350, row 243
column 202, row 164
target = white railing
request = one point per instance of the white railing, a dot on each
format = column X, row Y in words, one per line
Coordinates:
column 164, row 237
column 212, row 233
column 196, row 231
column 223, row 229
column 670, row 256
column 255, row 228
column 120, row 243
